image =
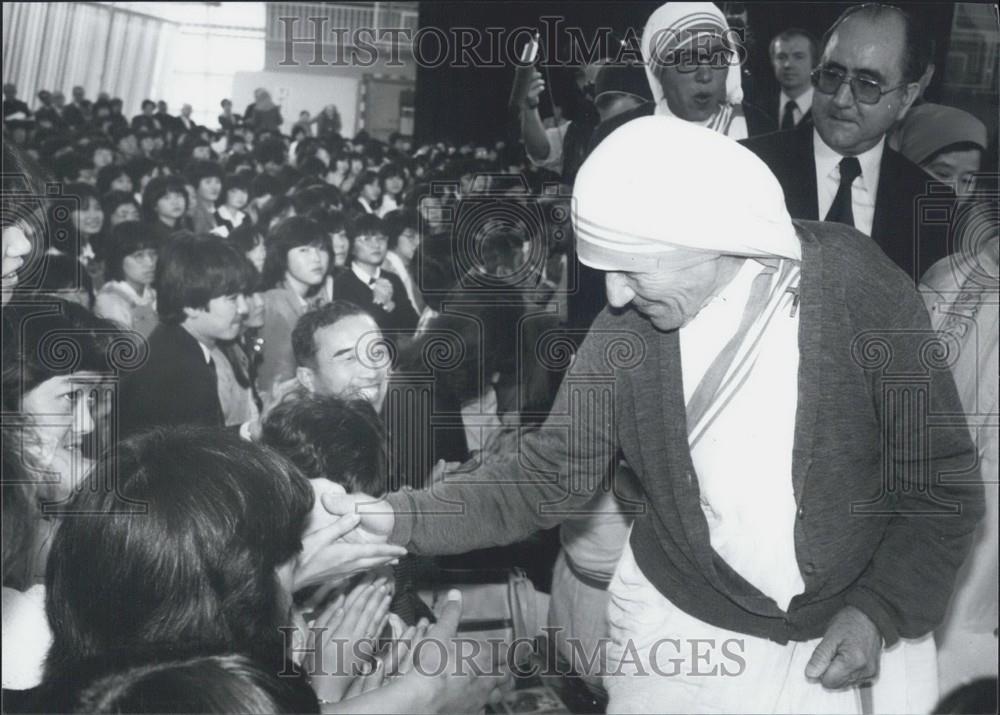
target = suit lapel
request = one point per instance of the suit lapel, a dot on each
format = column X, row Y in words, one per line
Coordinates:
column 800, row 181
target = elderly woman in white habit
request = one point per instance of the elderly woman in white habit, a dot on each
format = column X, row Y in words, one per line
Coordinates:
column 773, row 387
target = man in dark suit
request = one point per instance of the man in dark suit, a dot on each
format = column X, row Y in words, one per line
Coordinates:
column 201, row 283
column 794, row 53
column 379, row 292
column 840, row 169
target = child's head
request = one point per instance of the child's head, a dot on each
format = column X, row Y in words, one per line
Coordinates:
column 330, row 438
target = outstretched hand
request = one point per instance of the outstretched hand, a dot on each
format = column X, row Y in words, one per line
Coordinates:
column 375, row 516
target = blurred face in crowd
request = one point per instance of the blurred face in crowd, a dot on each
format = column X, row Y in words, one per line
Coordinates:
column 103, row 157
column 64, row 408
column 209, row 189
column 122, row 182
column 671, row 296
column 957, row 168
column 371, row 192
column 128, row 145
column 308, row 264
column 255, row 311
column 237, row 199
column 15, row 247
column 202, row 152
column 147, row 145
column 408, row 243
column 140, row 268
column 122, row 213
column 90, row 217
column 370, row 250
column 77, row 94
column 693, row 78
column 792, row 61
column 341, row 246
column 870, row 49
column 394, row 184
column 351, row 361
column 257, row 255
column 222, row 320
column 171, row 207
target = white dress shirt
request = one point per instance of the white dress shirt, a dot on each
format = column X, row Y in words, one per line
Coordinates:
column 863, row 190
column 803, row 103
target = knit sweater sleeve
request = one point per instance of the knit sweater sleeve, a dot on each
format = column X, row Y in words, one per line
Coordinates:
column 931, row 487
column 548, row 475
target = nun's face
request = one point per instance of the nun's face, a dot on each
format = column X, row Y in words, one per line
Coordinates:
column 694, row 91
column 675, row 293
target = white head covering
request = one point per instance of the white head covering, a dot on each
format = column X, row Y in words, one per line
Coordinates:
column 657, row 184
column 670, row 28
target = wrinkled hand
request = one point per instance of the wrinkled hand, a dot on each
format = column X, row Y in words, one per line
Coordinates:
column 331, row 552
column 382, row 294
column 375, row 517
column 447, row 683
column 849, row 653
column 361, row 615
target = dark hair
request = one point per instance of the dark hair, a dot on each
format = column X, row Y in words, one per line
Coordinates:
column 395, row 222
column 139, row 167
column 367, row 177
column 19, row 516
column 264, row 185
column 979, row 696
column 288, row 234
column 192, row 270
column 68, row 166
column 107, row 174
column 199, row 169
column 245, row 237
column 916, row 48
column 234, row 182
column 330, row 438
column 330, row 221
column 82, row 191
column 127, row 238
column 270, row 149
column 366, row 225
column 148, row 103
column 39, row 345
column 390, row 170
column 791, row 32
column 113, row 199
column 61, row 272
column 224, row 683
column 156, row 189
column 184, row 548
column 304, row 333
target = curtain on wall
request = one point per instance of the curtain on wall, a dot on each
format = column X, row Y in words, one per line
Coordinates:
column 56, row 46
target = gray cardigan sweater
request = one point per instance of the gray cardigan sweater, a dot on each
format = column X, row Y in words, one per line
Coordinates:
column 884, row 472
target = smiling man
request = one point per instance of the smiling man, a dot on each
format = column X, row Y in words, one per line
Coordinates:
column 841, row 170
column 781, row 511
column 201, row 284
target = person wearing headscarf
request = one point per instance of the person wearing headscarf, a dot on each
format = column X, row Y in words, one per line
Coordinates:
column 787, row 547
column 961, row 292
column 946, row 142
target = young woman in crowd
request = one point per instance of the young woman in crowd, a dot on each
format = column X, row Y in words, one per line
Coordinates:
column 15, row 216
column 113, row 177
column 128, row 297
column 119, row 207
column 165, row 202
column 206, row 178
column 402, row 228
column 232, row 203
column 392, row 182
column 88, row 220
column 298, row 256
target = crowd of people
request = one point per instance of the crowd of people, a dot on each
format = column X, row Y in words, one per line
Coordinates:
column 246, row 375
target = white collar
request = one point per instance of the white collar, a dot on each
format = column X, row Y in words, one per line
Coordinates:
column 804, row 101
column 363, row 277
column 871, row 161
column 148, row 296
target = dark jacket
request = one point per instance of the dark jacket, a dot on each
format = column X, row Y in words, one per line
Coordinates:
column 912, row 211
column 175, row 386
column 401, row 322
column 883, row 518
